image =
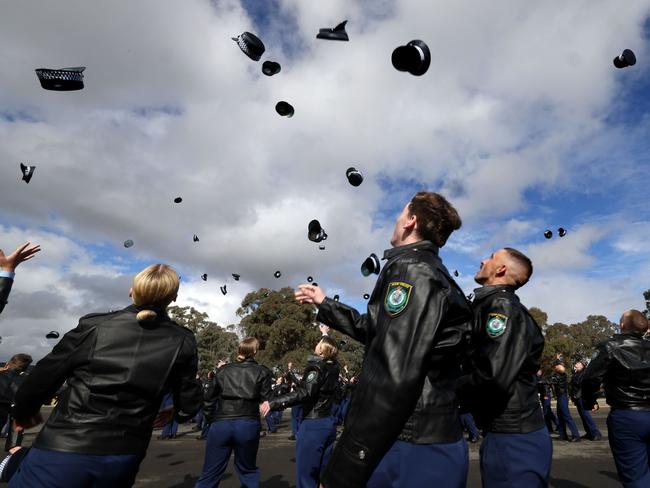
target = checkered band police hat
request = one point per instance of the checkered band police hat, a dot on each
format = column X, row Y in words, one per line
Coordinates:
column 251, row 45
column 64, row 79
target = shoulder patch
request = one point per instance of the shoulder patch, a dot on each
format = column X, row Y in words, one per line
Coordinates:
column 311, row 376
column 397, row 297
column 496, row 325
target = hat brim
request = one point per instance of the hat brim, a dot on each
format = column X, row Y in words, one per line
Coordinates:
column 426, row 60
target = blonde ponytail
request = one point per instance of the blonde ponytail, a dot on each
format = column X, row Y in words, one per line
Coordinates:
column 146, row 316
column 154, row 287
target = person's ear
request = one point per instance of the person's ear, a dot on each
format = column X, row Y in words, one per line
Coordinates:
column 130, row 292
column 501, row 271
column 411, row 223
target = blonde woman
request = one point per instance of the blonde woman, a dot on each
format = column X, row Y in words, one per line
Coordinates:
column 118, row 367
column 316, row 392
column 232, row 409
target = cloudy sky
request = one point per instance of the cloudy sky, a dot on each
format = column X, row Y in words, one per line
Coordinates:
column 522, row 121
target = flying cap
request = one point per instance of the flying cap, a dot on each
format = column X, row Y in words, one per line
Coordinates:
column 627, row 58
column 251, row 45
column 355, row 178
column 236, row 276
column 64, row 79
column 285, row 109
column 415, row 58
column 561, row 231
column 370, row 265
column 336, row 34
column 52, row 335
column 128, row 243
column 366, row 296
column 178, row 200
column 223, row 289
column 270, row 68
column 277, row 274
column 548, row 234
column 195, row 238
column 315, row 231
column 204, row 277
column 28, row 172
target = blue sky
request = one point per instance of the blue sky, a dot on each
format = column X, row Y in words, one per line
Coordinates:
column 522, row 121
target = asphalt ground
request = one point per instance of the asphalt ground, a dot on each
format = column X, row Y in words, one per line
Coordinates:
column 176, row 463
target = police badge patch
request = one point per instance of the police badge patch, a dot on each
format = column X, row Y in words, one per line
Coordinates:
column 311, row 376
column 397, row 297
column 496, row 325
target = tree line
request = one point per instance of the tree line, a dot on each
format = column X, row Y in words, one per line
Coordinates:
column 288, row 333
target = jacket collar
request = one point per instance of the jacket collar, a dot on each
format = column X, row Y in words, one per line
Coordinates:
column 416, row 246
column 484, row 291
column 135, row 309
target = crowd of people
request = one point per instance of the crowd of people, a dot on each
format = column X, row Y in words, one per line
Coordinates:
column 434, row 363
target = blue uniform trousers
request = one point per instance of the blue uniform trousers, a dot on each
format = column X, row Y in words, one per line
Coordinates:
column 564, row 418
column 273, row 420
column 467, row 421
column 591, row 429
column 53, row 469
column 549, row 416
column 516, row 460
column 343, row 410
column 313, row 450
column 408, row 465
column 169, row 430
column 242, row 436
column 629, row 439
column 296, row 413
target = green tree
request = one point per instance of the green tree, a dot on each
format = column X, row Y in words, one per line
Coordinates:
column 646, row 297
column 539, row 316
column 287, row 331
column 213, row 342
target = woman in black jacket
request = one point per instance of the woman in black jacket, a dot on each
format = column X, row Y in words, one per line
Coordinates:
column 118, row 367
column 316, row 392
column 232, row 407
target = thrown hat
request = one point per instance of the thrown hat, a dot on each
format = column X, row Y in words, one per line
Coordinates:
column 277, row 274
column 64, row 79
column 270, row 68
column 236, row 276
column 456, row 273
column 195, row 238
column 336, row 298
column 178, row 200
column 309, row 279
column 415, row 58
column 548, row 234
column 28, row 172
column 366, row 296
column 315, row 231
column 561, row 231
column 354, row 176
column 627, row 58
column 314, row 284
column 336, row 34
column 204, row 277
column 284, row 109
column 128, row 243
column 52, row 335
column 251, row 45
column 223, row 289
column 370, row 265
column 322, row 248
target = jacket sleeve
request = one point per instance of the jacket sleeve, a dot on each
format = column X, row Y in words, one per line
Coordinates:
column 5, row 288
column 266, row 386
column 344, row 319
column 211, row 399
column 186, row 389
column 51, row 372
column 307, row 388
column 594, row 375
column 394, row 371
column 499, row 355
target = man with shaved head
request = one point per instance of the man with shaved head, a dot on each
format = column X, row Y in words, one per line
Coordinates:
column 622, row 365
column 500, row 384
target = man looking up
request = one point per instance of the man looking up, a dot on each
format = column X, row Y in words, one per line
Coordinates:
column 622, row 364
column 501, row 388
column 402, row 428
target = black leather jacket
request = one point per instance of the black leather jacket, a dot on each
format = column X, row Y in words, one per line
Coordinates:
column 560, row 384
column 575, row 386
column 622, row 364
column 501, row 390
column 544, row 389
column 118, row 371
column 237, row 390
column 417, row 324
column 5, row 288
column 10, row 381
column 316, row 391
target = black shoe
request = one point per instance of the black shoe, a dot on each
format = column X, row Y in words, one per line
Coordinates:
column 292, row 437
column 574, row 439
column 596, row 438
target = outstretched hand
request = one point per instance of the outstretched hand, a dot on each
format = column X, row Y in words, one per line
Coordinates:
column 265, row 408
column 310, row 294
column 23, row 253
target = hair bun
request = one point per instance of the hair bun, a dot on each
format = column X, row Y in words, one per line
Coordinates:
column 146, row 316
